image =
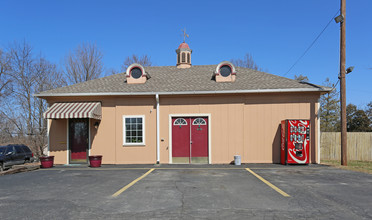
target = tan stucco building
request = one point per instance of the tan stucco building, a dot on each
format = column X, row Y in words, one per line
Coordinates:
column 179, row 114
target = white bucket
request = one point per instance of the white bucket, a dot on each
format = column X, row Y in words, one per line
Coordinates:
column 237, row 160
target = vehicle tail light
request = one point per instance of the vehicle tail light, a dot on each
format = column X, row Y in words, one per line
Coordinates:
column 32, row 155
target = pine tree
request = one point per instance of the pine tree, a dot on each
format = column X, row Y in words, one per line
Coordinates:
column 329, row 110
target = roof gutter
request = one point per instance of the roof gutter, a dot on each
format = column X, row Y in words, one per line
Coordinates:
column 185, row 92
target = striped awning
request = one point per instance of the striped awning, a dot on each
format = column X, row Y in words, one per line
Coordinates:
column 61, row 110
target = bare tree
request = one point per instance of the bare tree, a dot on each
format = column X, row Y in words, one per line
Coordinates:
column 21, row 114
column 24, row 78
column 12, row 126
column 84, row 63
column 301, row 78
column 144, row 60
column 50, row 78
column 246, row 62
column 111, row 71
column 329, row 111
column 4, row 74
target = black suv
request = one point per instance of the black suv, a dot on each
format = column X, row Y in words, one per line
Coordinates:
column 14, row 154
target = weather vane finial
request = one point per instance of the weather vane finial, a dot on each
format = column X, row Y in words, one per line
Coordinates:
column 184, row 34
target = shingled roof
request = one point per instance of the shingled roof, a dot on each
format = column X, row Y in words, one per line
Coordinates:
column 197, row 79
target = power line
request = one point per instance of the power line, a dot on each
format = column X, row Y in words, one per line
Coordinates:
column 335, row 84
column 312, row 43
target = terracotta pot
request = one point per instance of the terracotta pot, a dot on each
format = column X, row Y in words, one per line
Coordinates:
column 95, row 161
column 47, row 161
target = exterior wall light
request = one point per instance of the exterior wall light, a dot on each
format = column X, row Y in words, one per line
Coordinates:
column 339, row 18
column 96, row 124
column 349, row 69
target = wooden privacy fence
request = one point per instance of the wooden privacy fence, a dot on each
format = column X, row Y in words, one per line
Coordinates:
column 359, row 146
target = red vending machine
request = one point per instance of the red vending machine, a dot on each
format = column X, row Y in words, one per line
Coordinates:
column 295, row 141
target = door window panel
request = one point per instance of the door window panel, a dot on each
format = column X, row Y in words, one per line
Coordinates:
column 180, row 121
column 199, row 121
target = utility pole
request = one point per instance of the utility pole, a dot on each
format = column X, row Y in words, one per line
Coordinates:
column 343, row 85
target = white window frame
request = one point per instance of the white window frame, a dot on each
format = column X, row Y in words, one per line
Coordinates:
column 143, row 129
column 200, row 119
column 179, row 119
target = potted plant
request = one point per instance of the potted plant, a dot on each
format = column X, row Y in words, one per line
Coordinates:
column 95, row 160
column 46, row 161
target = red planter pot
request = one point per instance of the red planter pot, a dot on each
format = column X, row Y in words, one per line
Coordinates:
column 95, row 161
column 47, row 161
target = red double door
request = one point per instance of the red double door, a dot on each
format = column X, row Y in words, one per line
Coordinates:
column 190, row 140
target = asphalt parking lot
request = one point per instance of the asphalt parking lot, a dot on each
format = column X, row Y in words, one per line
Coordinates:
column 263, row 191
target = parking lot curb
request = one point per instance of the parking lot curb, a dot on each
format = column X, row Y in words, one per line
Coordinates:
column 20, row 168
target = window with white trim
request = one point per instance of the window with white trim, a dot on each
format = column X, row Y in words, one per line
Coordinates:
column 199, row 121
column 134, row 130
column 180, row 121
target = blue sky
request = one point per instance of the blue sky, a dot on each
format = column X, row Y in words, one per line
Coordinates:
column 275, row 33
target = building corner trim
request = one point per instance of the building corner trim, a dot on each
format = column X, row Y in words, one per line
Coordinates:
column 318, row 132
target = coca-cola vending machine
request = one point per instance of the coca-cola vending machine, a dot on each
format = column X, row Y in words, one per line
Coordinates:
column 295, row 141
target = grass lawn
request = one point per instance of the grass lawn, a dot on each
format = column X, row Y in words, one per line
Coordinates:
column 355, row 165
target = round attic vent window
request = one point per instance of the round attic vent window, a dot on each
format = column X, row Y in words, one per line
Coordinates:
column 136, row 72
column 225, row 70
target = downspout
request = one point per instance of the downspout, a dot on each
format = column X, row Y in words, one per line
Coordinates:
column 157, row 129
column 48, row 133
column 89, row 144
column 48, row 148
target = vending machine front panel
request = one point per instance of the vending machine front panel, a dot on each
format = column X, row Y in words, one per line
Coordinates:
column 295, row 141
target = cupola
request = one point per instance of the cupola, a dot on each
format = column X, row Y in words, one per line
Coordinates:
column 183, row 56
column 225, row 72
column 136, row 74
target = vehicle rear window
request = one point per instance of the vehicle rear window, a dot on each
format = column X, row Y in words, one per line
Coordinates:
column 18, row 149
column 26, row 149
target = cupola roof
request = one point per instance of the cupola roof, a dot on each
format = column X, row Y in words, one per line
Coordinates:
column 184, row 46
